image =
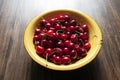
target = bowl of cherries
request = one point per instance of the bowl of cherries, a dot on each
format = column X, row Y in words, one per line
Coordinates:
column 62, row 39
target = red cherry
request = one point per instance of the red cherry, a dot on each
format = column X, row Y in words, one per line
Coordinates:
column 73, row 23
column 52, row 21
column 44, row 31
column 39, row 50
column 57, row 60
column 66, row 60
column 53, row 29
column 41, row 36
column 87, row 46
column 60, row 44
column 71, row 46
column 52, row 57
column 50, row 44
column 66, row 51
column 49, row 51
column 61, row 17
column 50, row 32
column 66, row 18
column 37, row 31
column 72, row 29
column 66, row 24
column 85, row 27
column 80, row 30
column 82, row 51
column 77, row 48
column 58, row 36
column 43, row 22
column 74, row 38
column 35, row 38
column 57, row 27
column 67, row 42
column 82, row 36
column 59, row 51
column 48, row 25
column 37, row 43
column 73, row 54
column 64, row 36
column 83, row 55
column 44, row 43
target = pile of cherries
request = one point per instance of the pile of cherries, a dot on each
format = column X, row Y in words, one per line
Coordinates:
column 61, row 40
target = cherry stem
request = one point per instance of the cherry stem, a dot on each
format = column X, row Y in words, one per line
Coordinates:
column 81, row 41
column 46, row 59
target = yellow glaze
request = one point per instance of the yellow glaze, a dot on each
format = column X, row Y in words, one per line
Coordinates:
column 95, row 38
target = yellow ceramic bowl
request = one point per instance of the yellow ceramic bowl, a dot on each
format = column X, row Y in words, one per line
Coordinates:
column 95, row 38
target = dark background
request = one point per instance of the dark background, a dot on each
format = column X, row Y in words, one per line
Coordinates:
column 15, row 63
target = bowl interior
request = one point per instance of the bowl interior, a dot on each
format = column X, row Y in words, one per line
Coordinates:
column 95, row 38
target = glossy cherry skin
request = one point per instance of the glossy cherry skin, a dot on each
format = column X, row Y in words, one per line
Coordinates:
column 57, row 60
column 87, row 46
column 82, row 36
column 72, row 29
column 66, row 24
column 57, row 27
column 43, row 22
column 73, row 54
column 73, row 23
column 41, row 36
column 44, row 43
column 53, row 21
column 35, row 38
column 48, row 25
column 74, row 38
column 59, row 51
column 64, row 36
column 37, row 31
column 67, row 18
column 39, row 50
column 66, row 43
column 66, row 51
column 66, row 60
column 60, row 44
column 71, row 46
column 85, row 27
column 49, row 51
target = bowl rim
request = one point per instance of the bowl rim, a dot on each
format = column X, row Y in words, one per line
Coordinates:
column 63, row 68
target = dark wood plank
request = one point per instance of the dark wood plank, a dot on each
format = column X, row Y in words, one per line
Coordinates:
column 15, row 63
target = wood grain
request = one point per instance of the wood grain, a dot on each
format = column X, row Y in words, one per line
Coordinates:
column 15, row 63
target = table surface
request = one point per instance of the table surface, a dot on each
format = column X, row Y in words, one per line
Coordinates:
column 15, row 63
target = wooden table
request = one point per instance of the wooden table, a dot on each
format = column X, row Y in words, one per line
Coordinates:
column 15, row 63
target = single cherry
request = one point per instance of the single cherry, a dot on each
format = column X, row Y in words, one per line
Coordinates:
column 43, row 22
column 73, row 54
column 39, row 49
column 59, row 51
column 37, row 31
column 73, row 23
column 66, row 51
column 87, row 46
column 48, row 25
column 85, row 27
column 64, row 36
column 66, row 60
column 67, row 42
column 49, row 51
column 35, row 38
column 74, row 38
column 57, row 60
column 71, row 46
column 60, row 44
